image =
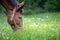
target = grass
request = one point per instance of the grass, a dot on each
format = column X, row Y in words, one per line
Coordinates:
column 38, row 26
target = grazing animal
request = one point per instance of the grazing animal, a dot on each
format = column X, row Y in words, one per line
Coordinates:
column 14, row 14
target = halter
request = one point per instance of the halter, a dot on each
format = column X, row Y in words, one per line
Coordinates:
column 16, row 9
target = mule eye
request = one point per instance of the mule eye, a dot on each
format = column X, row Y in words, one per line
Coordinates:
column 20, row 17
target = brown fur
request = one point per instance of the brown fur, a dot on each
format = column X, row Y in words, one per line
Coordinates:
column 16, row 21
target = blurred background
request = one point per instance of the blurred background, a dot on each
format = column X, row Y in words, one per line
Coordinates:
column 41, row 20
column 42, row 5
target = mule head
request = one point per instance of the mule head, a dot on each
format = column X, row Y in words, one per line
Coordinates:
column 15, row 17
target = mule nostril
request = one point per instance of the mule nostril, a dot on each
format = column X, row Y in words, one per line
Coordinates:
column 20, row 17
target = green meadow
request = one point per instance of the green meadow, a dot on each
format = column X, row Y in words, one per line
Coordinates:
column 37, row 26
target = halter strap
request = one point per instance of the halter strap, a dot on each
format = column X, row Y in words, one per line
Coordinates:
column 14, row 10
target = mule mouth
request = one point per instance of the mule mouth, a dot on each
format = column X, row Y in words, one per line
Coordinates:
column 18, row 28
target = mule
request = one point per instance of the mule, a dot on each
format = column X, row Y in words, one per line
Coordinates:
column 14, row 15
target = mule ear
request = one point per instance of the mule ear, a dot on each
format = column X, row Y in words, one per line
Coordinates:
column 20, row 6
